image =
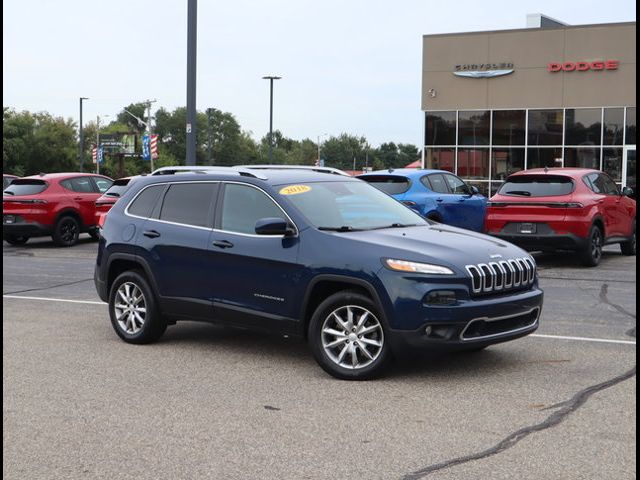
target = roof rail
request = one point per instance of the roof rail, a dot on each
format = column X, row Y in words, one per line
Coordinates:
column 331, row 170
column 182, row 169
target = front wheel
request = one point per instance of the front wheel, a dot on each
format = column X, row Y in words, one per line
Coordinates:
column 348, row 337
column 133, row 309
column 629, row 247
column 16, row 240
column 592, row 252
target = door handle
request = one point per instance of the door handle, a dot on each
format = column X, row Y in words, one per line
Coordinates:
column 222, row 244
column 439, row 200
column 151, row 234
column 77, row 198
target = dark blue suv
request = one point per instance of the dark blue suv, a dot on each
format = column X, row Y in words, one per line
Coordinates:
column 322, row 256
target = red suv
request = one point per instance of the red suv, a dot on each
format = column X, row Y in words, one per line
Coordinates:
column 111, row 196
column 564, row 209
column 59, row 204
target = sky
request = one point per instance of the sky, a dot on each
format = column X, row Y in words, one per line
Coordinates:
column 351, row 66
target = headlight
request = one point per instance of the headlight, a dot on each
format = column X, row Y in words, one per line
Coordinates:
column 414, row 267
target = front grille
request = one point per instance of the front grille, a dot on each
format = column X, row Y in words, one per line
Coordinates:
column 505, row 275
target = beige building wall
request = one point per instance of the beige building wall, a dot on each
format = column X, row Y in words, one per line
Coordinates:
column 531, row 85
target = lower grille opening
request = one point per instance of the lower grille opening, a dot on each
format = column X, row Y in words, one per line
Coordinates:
column 481, row 328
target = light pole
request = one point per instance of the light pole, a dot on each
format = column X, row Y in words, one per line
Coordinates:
column 81, row 146
column 192, row 43
column 271, row 78
column 98, row 142
column 322, row 135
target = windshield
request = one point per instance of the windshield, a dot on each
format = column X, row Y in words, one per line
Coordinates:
column 391, row 184
column 349, row 206
column 537, row 186
column 26, row 187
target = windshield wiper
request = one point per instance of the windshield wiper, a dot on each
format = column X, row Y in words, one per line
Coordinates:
column 396, row 225
column 344, row 228
column 522, row 193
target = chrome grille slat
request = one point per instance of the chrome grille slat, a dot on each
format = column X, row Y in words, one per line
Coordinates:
column 505, row 275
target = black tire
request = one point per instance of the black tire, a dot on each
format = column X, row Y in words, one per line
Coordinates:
column 128, row 326
column 374, row 363
column 592, row 252
column 66, row 232
column 16, row 240
column 629, row 248
column 94, row 233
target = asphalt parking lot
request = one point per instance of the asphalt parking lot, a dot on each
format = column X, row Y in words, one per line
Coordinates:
column 208, row 402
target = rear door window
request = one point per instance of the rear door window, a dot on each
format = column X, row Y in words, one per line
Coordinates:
column 26, row 187
column 79, row 185
column 189, row 204
column 391, row 184
column 537, row 186
column 436, row 182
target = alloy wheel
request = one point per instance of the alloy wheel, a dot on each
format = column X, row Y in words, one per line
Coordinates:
column 352, row 337
column 130, row 308
column 596, row 245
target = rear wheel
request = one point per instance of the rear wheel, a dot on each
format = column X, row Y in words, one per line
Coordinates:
column 16, row 240
column 66, row 232
column 133, row 309
column 348, row 338
column 629, row 247
column 592, row 253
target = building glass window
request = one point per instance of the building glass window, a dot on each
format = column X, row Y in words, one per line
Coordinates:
column 583, row 126
column 545, row 127
column 440, row 128
column 582, row 157
column 440, row 159
column 473, row 128
column 631, row 126
column 613, row 126
column 544, row 157
column 508, row 127
column 612, row 163
column 473, row 163
column 505, row 161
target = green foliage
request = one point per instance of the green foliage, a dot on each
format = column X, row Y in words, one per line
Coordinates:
column 37, row 142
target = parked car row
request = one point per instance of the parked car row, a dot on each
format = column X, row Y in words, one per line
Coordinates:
column 551, row 209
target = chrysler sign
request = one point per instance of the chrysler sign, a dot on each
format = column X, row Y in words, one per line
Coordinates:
column 483, row 70
column 598, row 65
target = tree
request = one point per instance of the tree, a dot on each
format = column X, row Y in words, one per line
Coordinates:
column 39, row 142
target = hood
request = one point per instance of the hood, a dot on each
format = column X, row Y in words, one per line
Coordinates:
column 439, row 244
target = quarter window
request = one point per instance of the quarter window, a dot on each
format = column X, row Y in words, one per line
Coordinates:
column 188, row 203
column 102, row 183
column 243, row 206
column 143, row 205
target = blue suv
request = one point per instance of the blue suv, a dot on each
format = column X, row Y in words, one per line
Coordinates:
column 435, row 194
column 321, row 256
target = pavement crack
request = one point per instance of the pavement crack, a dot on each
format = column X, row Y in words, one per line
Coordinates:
column 48, row 288
column 564, row 410
column 604, row 290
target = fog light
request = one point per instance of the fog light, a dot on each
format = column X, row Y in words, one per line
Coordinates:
column 441, row 297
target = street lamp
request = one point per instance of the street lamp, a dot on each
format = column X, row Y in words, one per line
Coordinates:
column 147, row 125
column 81, row 146
column 271, row 78
column 322, row 135
column 98, row 142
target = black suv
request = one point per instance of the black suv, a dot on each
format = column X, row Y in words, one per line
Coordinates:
column 318, row 255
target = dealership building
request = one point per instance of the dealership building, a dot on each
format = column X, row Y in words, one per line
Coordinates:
column 549, row 95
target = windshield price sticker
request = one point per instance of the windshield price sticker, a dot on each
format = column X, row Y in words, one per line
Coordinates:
column 295, row 189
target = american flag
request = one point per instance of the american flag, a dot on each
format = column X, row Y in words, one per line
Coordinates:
column 94, row 154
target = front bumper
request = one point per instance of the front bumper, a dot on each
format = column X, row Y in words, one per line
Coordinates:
column 474, row 324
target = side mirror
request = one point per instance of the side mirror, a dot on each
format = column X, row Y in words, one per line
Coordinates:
column 473, row 190
column 274, row 226
column 628, row 192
